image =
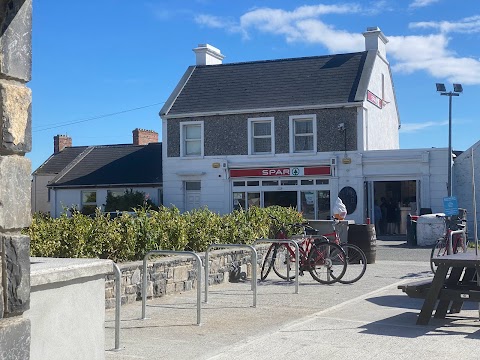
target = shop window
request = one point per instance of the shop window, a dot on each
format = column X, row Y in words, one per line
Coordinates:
column 288, row 182
column 89, row 202
column 239, row 183
column 270, row 183
column 321, row 182
column 253, row 183
column 238, row 200
column 307, row 182
column 303, row 133
column 307, row 199
column 323, row 207
column 253, row 199
column 260, row 134
column 191, row 134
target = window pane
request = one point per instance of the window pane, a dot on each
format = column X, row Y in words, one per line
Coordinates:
column 304, row 143
column 253, row 199
column 270, row 183
column 289, row 182
column 89, row 197
column 263, row 145
column 323, row 197
column 193, row 132
column 239, row 183
column 238, row 200
column 303, row 127
column 192, row 148
column 262, row 128
column 116, row 193
column 308, row 204
column 253, row 183
column 322, row 182
column 192, row 185
column 307, row 182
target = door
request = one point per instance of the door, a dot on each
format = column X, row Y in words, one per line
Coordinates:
column 192, row 195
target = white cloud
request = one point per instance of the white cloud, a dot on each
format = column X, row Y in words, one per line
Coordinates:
column 416, row 127
column 467, row 25
column 422, row 3
column 408, row 54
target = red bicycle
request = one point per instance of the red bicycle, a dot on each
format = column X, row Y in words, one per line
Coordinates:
column 323, row 259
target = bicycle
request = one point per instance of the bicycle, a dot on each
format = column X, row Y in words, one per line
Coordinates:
column 356, row 259
column 459, row 241
column 323, row 259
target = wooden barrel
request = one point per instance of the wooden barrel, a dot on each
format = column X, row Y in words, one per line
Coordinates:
column 364, row 236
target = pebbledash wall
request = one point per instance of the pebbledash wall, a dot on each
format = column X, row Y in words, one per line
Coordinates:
column 169, row 275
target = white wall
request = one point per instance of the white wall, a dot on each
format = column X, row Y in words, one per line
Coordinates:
column 462, row 184
column 61, row 198
column 40, row 193
column 67, row 308
column 381, row 125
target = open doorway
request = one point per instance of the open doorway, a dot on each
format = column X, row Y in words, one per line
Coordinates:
column 396, row 200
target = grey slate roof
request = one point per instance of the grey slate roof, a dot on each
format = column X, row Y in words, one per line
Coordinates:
column 113, row 165
column 57, row 162
column 319, row 80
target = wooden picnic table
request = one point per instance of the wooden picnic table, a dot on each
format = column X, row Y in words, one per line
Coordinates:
column 451, row 288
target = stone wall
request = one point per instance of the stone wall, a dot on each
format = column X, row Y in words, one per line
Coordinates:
column 15, row 169
column 169, row 275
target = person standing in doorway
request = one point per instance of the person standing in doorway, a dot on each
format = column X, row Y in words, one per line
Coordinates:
column 377, row 213
column 383, row 221
column 391, row 217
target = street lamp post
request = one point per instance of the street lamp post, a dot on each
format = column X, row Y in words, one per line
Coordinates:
column 457, row 89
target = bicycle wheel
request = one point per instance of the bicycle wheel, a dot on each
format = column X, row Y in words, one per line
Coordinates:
column 267, row 262
column 326, row 262
column 284, row 261
column 438, row 249
column 356, row 264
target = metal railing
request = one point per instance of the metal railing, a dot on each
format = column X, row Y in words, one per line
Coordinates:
column 254, row 267
column 297, row 255
column 171, row 252
column 118, row 303
column 450, row 240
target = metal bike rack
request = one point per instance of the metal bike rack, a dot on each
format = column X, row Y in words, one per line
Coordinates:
column 118, row 303
column 297, row 254
column 171, row 252
column 254, row 267
column 450, row 240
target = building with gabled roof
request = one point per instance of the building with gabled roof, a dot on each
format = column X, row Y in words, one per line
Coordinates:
column 294, row 132
column 79, row 176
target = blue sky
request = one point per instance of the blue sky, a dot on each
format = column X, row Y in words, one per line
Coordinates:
column 102, row 68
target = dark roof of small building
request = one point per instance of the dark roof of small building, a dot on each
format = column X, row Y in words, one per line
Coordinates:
column 297, row 82
column 113, row 165
column 57, row 162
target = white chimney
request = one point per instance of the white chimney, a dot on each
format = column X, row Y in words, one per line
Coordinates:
column 208, row 55
column 375, row 40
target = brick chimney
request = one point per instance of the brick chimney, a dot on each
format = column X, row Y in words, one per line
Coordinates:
column 60, row 142
column 206, row 54
column 375, row 40
column 144, row 137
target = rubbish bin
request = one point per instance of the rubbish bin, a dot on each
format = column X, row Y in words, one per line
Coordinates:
column 363, row 235
column 412, row 230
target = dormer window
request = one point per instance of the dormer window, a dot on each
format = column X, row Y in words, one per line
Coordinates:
column 303, row 133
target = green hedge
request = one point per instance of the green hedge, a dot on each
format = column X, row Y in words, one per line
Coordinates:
column 128, row 238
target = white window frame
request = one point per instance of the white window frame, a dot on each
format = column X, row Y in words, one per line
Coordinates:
column 251, row 121
column 291, row 120
column 183, row 125
column 88, row 203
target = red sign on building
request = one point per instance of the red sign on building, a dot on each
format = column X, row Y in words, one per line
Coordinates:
column 374, row 99
column 283, row 171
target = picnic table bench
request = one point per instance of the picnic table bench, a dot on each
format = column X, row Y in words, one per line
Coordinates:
column 450, row 291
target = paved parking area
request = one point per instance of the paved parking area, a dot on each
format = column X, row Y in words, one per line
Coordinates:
column 370, row 318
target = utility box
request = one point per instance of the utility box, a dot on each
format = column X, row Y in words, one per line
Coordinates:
column 430, row 227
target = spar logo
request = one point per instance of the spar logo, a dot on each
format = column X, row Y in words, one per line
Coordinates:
column 276, row 172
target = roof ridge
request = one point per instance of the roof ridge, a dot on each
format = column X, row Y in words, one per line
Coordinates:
column 278, row 60
column 72, row 164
